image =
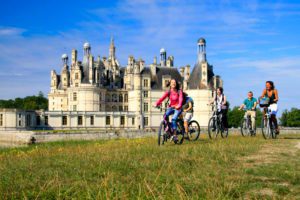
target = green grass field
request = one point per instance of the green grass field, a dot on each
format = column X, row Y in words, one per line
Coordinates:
column 237, row 167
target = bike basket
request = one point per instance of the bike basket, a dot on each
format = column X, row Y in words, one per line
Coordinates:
column 264, row 102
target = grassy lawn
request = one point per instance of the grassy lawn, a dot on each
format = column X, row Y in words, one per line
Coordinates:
column 237, row 167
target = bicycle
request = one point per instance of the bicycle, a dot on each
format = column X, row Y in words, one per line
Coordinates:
column 267, row 125
column 246, row 127
column 165, row 131
column 193, row 130
column 216, row 126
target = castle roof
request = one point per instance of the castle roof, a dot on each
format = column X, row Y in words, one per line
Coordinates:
column 156, row 80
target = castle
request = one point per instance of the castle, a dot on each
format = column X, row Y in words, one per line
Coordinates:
column 99, row 93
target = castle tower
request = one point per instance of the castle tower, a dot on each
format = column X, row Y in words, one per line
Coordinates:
column 112, row 49
column 74, row 58
column 163, row 57
column 201, row 50
column 65, row 74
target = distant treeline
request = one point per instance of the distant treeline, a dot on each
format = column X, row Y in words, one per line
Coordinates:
column 291, row 118
column 28, row 103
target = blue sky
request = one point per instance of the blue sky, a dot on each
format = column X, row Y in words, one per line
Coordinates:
column 248, row 42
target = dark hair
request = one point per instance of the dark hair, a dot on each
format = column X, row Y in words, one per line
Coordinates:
column 177, row 84
column 221, row 89
column 250, row 92
column 272, row 84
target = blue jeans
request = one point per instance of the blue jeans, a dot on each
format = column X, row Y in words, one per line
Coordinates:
column 175, row 113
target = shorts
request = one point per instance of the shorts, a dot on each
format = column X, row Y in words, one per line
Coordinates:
column 188, row 117
column 273, row 109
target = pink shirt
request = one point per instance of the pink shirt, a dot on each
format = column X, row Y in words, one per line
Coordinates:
column 175, row 97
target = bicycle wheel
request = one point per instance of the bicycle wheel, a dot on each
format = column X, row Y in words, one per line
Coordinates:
column 194, row 130
column 212, row 128
column 272, row 129
column 265, row 128
column 244, row 128
column 179, row 133
column 224, row 132
column 162, row 135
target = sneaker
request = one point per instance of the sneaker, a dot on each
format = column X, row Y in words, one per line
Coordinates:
column 175, row 138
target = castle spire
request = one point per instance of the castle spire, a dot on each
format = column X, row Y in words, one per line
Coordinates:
column 112, row 48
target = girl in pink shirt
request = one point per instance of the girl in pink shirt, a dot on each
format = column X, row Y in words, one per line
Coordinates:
column 176, row 97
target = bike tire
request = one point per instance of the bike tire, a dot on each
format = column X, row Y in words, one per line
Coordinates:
column 224, row 133
column 212, row 131
column 265, row 128
column 180, row 133
column 161, row 134
column 243, row 128
column 273, row 132
column 194, row 130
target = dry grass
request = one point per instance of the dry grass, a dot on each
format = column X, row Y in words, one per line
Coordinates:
column 236, row 167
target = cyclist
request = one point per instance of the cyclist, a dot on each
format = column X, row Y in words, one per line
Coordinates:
column 250, row 103
column 175, row 96
column 221, row 103
column 272, row 94
column 188, row 112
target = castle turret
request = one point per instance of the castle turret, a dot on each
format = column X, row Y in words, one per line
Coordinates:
column 65, row 74
column 74, row 57
column 201, row 50
column 112, row 49
column 163, row 57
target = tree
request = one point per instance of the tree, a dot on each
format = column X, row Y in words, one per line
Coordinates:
column 27, row 103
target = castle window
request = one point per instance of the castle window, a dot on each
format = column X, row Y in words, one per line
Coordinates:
column 145, row 94
column 64, row 120
column 132, row 121
column 28, row 120
column 125, row 108
column 122, row 120
column 46, row 120
column 74, row 96
column 74, row 107
column 20, row 123
column 107, row 120
column 79, row 120
column 92, row 120
column 167, row 83
column 146, row 122
column 146, row 83
column 126, row 98
column 19, row 115
column 76, row 75
column 38, row 120
column 120, row 108
column 120, row 98
column 114, row 108
column 114, row 98
column 1, row 119
column 145, row 107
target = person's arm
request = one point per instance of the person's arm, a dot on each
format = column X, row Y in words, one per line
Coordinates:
column 242, row 106
column 189, row 108
column 159, row 101
column 276, row 96
column 263, row 93
column 180, row 100
column 255, row 104
column 224, row 100
column 213, row 100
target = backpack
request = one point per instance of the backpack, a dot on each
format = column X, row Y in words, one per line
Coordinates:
column 224, row 107
column 189, row 99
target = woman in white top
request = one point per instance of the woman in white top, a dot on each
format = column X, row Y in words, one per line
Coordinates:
column 221, row 103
